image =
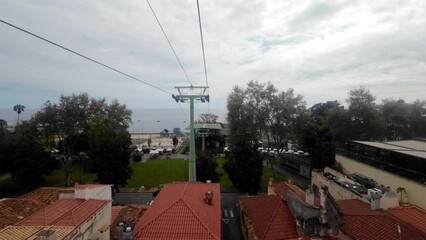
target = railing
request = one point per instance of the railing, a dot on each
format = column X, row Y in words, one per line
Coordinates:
column 400, row 171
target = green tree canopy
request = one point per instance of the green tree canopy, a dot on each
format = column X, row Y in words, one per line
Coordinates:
column 110, row 151
column 27, row 157
column 206, row 167
column 71, row 117
column 244, row 163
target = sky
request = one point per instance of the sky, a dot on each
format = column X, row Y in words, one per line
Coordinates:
column 321, row 49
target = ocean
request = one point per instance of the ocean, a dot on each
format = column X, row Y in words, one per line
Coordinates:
column 144, row 120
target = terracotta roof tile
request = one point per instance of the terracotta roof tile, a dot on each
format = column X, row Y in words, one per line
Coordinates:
column 115, row 211
column 13, row 210
column 65, row 212
column 25, row 232
column 356, row 207
column 268, row 217
column 411, row 215
column 281, row 189
column 377, row 227
column 45, row 195
column 179, row 212
column 360, row 222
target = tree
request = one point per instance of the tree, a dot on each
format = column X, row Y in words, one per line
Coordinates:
column 395, row 114
column 417, row 118
column 3, row 123
column 70, row 117
column 278, row 116
column 175, row 141
column 110, row 150
column 318, row 141
column 365, row 119
column 30, row 160
column 207, row 118
column 206, row 167
column 243, row 164
column 19, row 109
column 320, row 111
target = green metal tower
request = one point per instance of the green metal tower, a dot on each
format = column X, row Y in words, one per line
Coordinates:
column 192, row 94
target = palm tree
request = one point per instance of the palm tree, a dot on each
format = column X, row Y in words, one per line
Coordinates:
column 18, row 108
column 3, row 123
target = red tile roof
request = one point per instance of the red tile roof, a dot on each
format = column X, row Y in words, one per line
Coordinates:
column 356, row 207
column 411, row 215
column 13, row 210
column 115, row 211
column 268, row 217
column 180, row 212
column 65, row 212
column 25, row 232
column 360, row 222
column 281, row 189
column 45, row 195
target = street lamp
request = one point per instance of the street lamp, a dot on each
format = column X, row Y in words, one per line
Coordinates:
column 192, row 94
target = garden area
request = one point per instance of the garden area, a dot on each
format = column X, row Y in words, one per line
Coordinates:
column 148, row 174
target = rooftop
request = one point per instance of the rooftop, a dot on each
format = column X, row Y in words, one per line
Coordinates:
column 13, row 210
column 410, row 147
column 25, row 232
column 180, row 212
column 360, row 222
column 207, row 126
column 65, row 212
column 268, row 217
column 45, row 195
column 281, row 189
column 411, row 215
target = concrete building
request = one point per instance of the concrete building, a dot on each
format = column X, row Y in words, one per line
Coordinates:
column 399, row 165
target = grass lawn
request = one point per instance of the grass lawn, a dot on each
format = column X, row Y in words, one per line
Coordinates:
column 5, row 179
column 148, row 174
column 57, row 177
column 224, row 179
column 160, row 171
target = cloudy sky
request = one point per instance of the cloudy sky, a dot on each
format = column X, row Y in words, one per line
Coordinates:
column 322, row 49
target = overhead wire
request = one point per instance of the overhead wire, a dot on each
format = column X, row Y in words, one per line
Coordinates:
column 85, row 57
column 168, row 40
column 204, row 55
column 202, row 43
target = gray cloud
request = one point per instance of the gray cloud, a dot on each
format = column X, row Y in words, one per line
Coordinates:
column 321, row 49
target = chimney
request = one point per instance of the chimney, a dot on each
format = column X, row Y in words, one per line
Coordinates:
column 375, row 195
column 323, row 196
column 66, row 194
column 120, row 227
column 46, row 235
column 323, row 211
column 309, row 196
column 271, row 182
column 208, row 197
column 127, row 233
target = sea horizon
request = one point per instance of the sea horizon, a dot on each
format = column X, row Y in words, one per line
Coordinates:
column 145, row 120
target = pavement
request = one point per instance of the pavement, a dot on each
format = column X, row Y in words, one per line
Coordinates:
column 230, row 228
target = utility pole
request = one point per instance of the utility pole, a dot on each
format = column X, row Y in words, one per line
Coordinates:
column 192, row 94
